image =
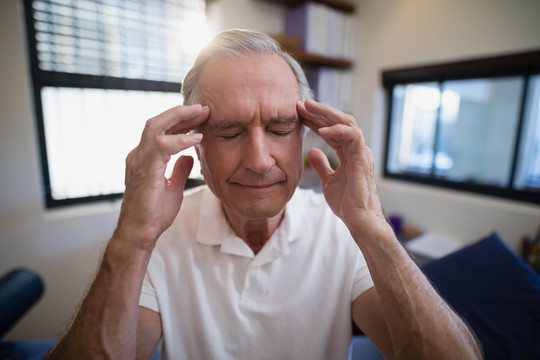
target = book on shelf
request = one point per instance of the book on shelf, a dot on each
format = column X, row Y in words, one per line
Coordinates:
column 322, row 30
column 331, row 86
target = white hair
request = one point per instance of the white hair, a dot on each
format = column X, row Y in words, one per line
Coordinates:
column 240, row 42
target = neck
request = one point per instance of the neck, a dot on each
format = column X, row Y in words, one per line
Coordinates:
column 254, row 232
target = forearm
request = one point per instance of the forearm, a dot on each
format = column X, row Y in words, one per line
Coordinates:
column 106, row 323
column 420, row 323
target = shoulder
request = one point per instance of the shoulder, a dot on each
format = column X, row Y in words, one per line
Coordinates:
column 313, row 206
column 194, row 196
column 185, row 225
column 317, row 219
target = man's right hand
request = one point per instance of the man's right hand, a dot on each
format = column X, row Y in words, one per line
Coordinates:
column 151, row 201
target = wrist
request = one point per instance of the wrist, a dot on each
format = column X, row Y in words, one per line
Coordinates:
column 372, row 230
column 124, row 252
column 133, row 233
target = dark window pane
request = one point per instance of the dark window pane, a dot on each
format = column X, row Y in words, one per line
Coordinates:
column 413, row 126
column 528, row 173
column 477, row 129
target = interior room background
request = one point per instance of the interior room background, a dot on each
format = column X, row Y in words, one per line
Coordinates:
column 64, row 245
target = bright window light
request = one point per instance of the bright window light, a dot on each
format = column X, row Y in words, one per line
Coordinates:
column 89, row 133
column 100, row 70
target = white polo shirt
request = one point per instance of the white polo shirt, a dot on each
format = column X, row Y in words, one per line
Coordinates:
column 292, row 300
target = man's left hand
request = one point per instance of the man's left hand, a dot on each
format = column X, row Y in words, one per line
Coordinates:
column 350, row 189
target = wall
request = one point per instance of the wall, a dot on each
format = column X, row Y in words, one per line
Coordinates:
column 64, row 246
column 395, row 34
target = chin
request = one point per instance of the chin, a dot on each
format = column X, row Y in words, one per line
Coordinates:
column 260, row 211
column 259, row 208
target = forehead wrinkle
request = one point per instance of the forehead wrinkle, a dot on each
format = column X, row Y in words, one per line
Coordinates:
column 226, row 124
column 234, row 124
column 284, row 120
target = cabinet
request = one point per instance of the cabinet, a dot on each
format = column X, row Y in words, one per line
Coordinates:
column 293, row 43
column 342, row 5
column 320, row 34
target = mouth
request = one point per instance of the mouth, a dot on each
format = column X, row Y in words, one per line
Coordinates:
column 258, row 186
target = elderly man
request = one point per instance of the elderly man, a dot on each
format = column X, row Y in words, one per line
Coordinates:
column 249, row 266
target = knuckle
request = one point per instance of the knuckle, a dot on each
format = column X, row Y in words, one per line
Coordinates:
column 359, row 132
column 350, row 120
column 160, row 142
column 150, row 125
column 178, row 110
column 130, row 157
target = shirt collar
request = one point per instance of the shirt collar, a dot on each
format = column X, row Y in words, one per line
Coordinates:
column 214, row 229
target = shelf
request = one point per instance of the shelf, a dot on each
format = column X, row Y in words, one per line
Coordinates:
column 292, row 45
column 342, row 5
column 318, row 60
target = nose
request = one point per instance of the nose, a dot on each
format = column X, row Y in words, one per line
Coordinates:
column 257, row 152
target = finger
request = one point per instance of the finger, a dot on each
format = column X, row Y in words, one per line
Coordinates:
column 348, row 141
column 173, row 144
column 191, row 121
column 179, row 119
column 323, row 115
column 181, row 170
column 305, row 117
column 319, row 162
column 330, row 113
column 341, row 133
column 313, row 121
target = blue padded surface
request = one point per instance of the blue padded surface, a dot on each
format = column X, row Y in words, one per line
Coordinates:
column 25, row 350
column 363, row 349
column 20, row 289
column 36, row 350
column 497, row 293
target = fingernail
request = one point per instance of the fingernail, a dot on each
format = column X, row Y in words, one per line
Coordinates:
column 196, row 136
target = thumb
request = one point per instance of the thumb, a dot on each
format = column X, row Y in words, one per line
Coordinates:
column 319, row 162
column 182, row 169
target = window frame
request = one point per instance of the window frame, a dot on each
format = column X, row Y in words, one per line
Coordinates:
column 43, row 78
column 525, row 64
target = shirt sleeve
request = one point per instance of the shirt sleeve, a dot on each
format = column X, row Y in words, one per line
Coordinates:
column 148, row 297
column 362, row 280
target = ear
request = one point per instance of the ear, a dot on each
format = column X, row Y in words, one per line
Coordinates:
column 198, row 152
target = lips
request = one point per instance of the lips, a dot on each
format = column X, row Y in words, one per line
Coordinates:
column 254, row 181
column 258, row 185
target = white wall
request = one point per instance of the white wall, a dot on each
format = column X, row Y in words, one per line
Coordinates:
column 64, row 246
column 400, row 33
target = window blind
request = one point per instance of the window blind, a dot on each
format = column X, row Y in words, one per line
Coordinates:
column 100, row 69
column 151, row 40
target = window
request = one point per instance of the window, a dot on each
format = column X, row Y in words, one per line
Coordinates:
column 472, row 125
column 100, row 69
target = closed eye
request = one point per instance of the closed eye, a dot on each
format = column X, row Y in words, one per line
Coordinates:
column 229, row 136
column 282, row 133
column 282, row 126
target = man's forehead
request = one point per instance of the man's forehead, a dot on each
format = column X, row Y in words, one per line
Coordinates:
column 257, row 89
column 224, row 123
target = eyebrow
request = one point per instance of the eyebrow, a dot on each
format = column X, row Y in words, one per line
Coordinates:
column 284, row 120
column 234, row 124
column 226, row 124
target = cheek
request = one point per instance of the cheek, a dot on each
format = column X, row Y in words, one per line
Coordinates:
column 296, row 145
column 291, row 154
column 215, row 161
